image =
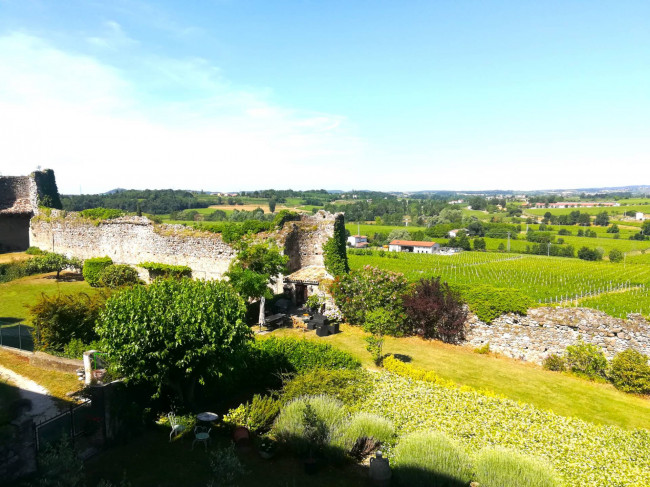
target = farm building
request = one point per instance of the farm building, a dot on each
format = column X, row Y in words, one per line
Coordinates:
column 640, row 216
column 358, row 241
column 413, row 246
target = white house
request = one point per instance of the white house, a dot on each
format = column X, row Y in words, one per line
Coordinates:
column 640, row 216
column 358, row 241
column 413, row 246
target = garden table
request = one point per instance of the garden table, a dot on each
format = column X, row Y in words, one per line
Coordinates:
column 207, row 417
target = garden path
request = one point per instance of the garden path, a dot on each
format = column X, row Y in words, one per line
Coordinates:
column 43, row 406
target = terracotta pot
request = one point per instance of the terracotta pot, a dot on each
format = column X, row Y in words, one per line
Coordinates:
column 241, row 433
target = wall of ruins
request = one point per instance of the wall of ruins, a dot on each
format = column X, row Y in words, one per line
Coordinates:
column 133, row 240
column 18, row 202
column 550, row 330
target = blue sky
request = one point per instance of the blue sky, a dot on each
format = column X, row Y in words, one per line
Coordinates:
column 232, row 95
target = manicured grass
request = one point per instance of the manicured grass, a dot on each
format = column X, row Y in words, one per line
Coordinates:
column 564, row 394
column 151, row 460
column 57, row 383
column 17, row 295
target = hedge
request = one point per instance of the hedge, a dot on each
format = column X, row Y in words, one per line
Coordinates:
column 488, row 303
column 93, row 268
column 165, row 270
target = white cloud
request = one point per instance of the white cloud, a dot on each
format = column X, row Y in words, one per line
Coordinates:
column 179, row 124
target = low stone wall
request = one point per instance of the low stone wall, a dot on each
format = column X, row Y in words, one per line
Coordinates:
column 547, row 331
column 52, row 362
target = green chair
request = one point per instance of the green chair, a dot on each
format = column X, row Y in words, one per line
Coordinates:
column 201, row 435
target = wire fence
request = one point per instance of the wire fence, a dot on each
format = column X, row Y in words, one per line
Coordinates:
column 17, row 336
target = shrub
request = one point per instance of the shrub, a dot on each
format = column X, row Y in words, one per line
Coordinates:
column 92, row 269
column 324, row 413
column 34, row 251
column 615, row 255
column 101, row 213
column 586, row 359
column 75, row 348
column 630, row 372
column 367, row 289
column 488, row 303
column 434, row 310
column 257, row 415
column 364, row 432
column 425, row 458
column 498, row 467
column 586, row 253
column 295, row 354
column 348, row 386
column 284, row 216
column 58, row 319
column 225, row 466
column 118, row 275
column 165, row 271
column 483, row 349
column 555, row 362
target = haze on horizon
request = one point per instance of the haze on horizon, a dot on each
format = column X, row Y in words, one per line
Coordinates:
column 391, row 96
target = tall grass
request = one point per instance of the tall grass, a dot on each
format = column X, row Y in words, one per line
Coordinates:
column 364, row 430
column 498, row 467
column 426, row 458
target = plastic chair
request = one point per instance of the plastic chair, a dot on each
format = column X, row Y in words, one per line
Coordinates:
column 201, row 435
column 177, row 428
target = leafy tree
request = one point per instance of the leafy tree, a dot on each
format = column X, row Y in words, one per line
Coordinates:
column 602, row 219
column 174, row 333
column 645, row 228
column 257, row 265
column 586, row 253
column 272, row 204
column 479, row 244
column 475, row 229
column 434, row 310
column 584, row 220
column 51, row 262
column 613, row 229
column 379, row 322
column 399, row 234
column 615, row 255
column 335, row 254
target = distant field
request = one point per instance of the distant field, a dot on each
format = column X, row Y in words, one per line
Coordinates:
column 544, row 279
column 616, row 210
column 620, row 304
column 370, row 230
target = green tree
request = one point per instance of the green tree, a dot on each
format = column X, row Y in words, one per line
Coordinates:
column 613, row 229
column 174, row 333
column 379, row 322
column 257, row 265
column 602, row 219
column 272, row 204
column 615, row 255
column 479, row 244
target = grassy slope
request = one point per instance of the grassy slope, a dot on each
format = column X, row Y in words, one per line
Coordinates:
column 57, row 383
column 13, row 257
column 16, row 295
column 564, row 394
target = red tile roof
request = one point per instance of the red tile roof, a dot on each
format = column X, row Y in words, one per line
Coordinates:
column 412, row 243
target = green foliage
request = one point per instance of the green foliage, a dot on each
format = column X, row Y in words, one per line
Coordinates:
column 615, row 255
column 59, row 466
column 257, row 265
column 76, row 347
column 489, row 302
column 586, row 253
column 295, row 354
column 49, row 193
column 347, row 385
column 114, row 276
column 174, row 333
column 34, row 251
column 284, row 216
column 498, row 467
column 425, row 458
column 555, row 362
column 226, row 467
column 101, row 213
column 92, row 269
column 586, row 359
column 629, row 371
column 309, row 423
column 49, row 262
column 375, row 345
column 362, row 428
column 483, row 349
column 370, row 288
column 335, row 250
column 166, row 271
column 60, row 318
column 257, row 415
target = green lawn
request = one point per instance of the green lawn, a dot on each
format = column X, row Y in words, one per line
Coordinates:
column 16, row 296
column 564, row 394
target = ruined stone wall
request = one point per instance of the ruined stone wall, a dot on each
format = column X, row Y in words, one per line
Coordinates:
column 303, row 240
column 133, row 240
column 18, row 202
column 547, row 331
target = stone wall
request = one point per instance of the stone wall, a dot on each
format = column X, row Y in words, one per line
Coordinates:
column 547, row 331
column 18, row 202
column 132, row 240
